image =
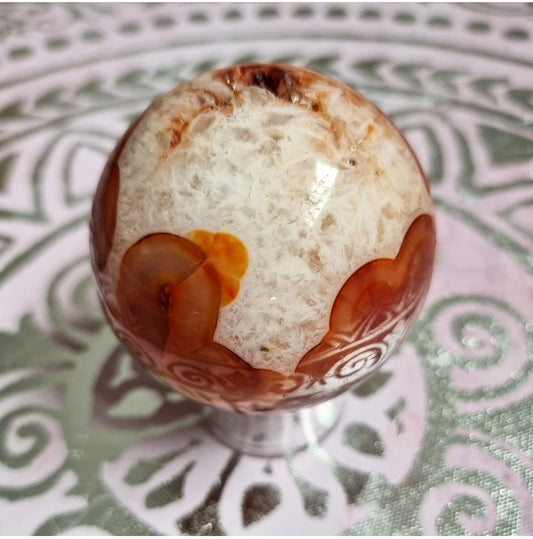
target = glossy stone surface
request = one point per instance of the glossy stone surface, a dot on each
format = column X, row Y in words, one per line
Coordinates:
column 262, row 237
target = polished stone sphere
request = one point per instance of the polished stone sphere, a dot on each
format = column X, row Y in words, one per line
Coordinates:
column 262, row 238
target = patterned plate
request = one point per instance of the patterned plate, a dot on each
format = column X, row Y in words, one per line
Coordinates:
column 440, row 441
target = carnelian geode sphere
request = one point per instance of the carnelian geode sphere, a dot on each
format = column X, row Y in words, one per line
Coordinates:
column 262, row 238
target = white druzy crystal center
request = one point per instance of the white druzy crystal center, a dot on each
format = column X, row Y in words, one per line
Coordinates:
column 313, row 195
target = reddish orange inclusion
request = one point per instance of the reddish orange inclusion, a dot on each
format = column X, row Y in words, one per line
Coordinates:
column 104, row 210
column 170, row 290
column 151, row 273
column 193, row 310
column 229, row 256
column 375, row 292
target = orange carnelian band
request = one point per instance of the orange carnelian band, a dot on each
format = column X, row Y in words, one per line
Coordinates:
column 170, row 291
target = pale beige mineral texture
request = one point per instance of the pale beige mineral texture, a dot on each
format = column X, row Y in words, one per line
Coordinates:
column 314, row 180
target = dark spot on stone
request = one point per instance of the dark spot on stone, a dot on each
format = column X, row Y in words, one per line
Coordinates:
column 175, row 138
column 277, row 82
